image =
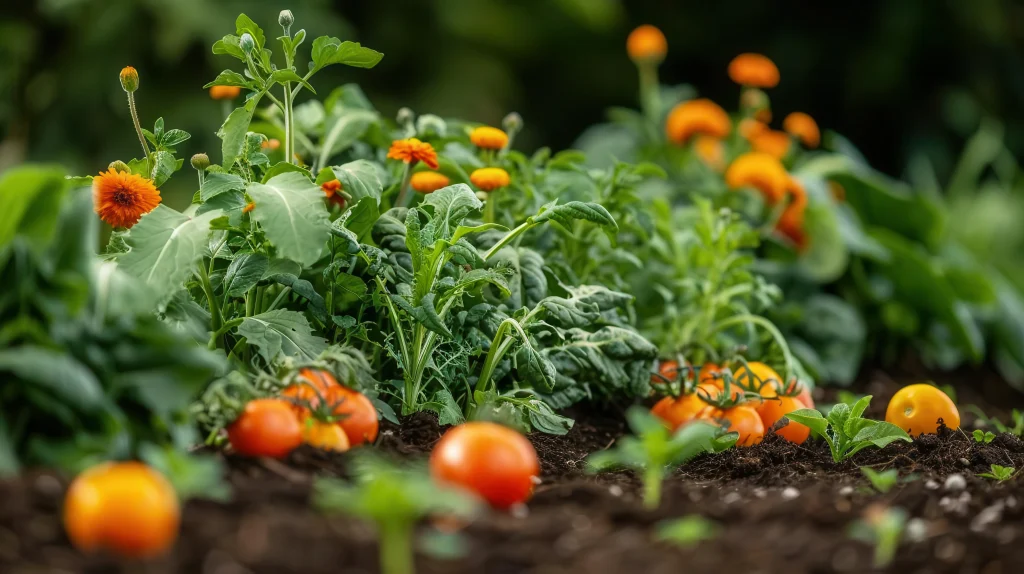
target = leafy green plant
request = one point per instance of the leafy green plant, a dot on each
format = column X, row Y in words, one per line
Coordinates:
column 983, row 437
column 394, row 497
column 1016, row 427
column 1000, row 473
column 884, row 528
column 688, row 530
column 883, row 481
column 846, row 431
column 654, row 449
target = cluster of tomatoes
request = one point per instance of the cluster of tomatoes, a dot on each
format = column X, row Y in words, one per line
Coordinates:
column 755, row 401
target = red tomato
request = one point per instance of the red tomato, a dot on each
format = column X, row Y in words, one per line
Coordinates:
column 493, row 461
column 124, row 507
column 325, row 436
column 358, row 415
column 774, row 409
column 742, row 419
column 267, row 427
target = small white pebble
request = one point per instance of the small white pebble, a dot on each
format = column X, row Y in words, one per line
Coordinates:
column 917, row 530
column 988, row 515
column 760, row 492
column 956, row 504
column 519, row 511
column 789, row 493
column 955, row 483
column 1011, row 502
column 846, row 491
column 615, row 490
column 732, row 497
column 931, row 484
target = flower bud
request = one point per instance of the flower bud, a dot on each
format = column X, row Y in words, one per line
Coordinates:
column 286, row 19
column 200, row 161
column 404, row 116
column 129, row 79
column 429, row 124
column 119, row 166
column 247, row 43
column 512, row 123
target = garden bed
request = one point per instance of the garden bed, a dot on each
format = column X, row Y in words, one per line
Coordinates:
column 780, row 507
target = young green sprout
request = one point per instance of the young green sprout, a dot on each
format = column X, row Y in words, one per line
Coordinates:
column 999, row 473
column 654, row 449
column 688, row 530
column 883, row 481
column 984, row 437
column 882, row 527
column 394, row 497
column 846, row 431
column 1016, row 418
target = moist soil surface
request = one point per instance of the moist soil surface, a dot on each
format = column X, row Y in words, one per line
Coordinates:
column 777, row 507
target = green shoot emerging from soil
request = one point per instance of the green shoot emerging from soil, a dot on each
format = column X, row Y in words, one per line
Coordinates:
column 882, row 527
column 1016, row 427
column 688, row 530
column 999, row 473
column 845, row 431
column 394, row 498
column 654, row 449
column 984, row 437
column 882, row 481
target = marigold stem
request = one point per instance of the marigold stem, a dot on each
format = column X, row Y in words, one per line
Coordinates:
column 403, row 192
column 138, row 130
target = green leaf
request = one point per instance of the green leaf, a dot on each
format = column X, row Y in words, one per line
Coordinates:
column 245, row 24
column 327, row 50
column 229, row 78
column 342, row 128
column 30, row 198
column 826, row 258
column 425, row 313
column 217, row 183
column 528, row 284
column 282, row 76
column 360, row 219
column 566, row 213
column 192, row 475
column 281, row 333
column 164, row 165
column 164, row 247
column 570, row 313
column 534, row 368
column 359, row 179
column 232, row 133
column 172, row 138
column 56, row 372
column 291, row 211
column 451, row 205
column 880, row 434
column 317, row 305
column 281, row 267
column 244, row 272
column 229, row 45
column 448, row 411
column 284, row 167
column 810, row 418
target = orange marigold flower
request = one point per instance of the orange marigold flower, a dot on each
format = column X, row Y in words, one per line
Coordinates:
column 761, row 171
column 486, row 137
column 121, row 198
column 751, row 128
column 428, row 181
column 803, row 127
column 791, row 222
column 413, row 150
column 271, row 144
column 249, row 207
column 490, row 178
column 332, row 189
column 771, row 142
column 225, row 92
column 646, row 44
column 754, row 70
column 700, row 116
column 711, row 151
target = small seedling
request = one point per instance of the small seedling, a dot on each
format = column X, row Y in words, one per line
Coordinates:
column 655, row 449
column 688, row 530
column 984, row 437
column 1016, row 427
column 999, row 473
column 395, row 498
column 883, row 481
column 882, row 527
column 846, row 431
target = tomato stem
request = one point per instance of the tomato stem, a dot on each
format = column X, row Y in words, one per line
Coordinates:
column 396, row 556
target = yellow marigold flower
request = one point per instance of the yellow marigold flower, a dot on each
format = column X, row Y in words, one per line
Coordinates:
column 428, row 181
column 249, row 207
column 332, row 189
column 121, row 198
column 711, row 151
column 803, row 127
column 129, row 79
column 646, row 44
column 772, row 142
column 750, row 128
column 700, row 116
column 413, row 150
column 225, row 92
column 486, row 137
column 490, row 178
column 760, row 171
column 754, row 70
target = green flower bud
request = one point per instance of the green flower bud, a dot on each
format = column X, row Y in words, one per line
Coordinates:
column 404, row 116
column 119, row 166
column 200, row 161
column 513, row 122
column 129, row 79
column 247, row 43
column 286, row 19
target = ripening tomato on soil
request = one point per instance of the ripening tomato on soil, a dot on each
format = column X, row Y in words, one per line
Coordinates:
column 772, row 410
column 324, row 435
column 125, row 507
column 493, row 461
column 668, row 371
column 918, row 408
column 742, row 419
column 315, row 388
column 267, row 427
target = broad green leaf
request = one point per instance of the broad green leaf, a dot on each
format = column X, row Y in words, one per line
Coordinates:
column 880, row 434
column 164, row 247
column 424, row 313
column 534, row 368
column 811, row 419
column 342, row 128
column 317, row 305
column 888, row 204
column 363, row 215
column 245, row 24
column 282, row 76
column 451, row 205
column 30, row 198
column 327, row 50
column 164, row 165
column 56, row 372
column 359, row 179
column 232, row 133
column 217, row 183
column 291, row 211
column 229, row 78
column 566, row 213
column 858, row 408
column 281, row 333
column 448, row 411
column 546, row 420
column 244, row 272
column 826, row 258
column 569, row 313
column 528, row 284
column 229, row 45
column 172, row 138
column 281, row 267
column 284, row 167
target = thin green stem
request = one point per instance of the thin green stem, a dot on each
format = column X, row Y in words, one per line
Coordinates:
column 650, row 99
column 653, row 477
column 489, row 207
column 138, row 130
column 215, row 318
column 403, row 192
column 767, row 326
column 279, row 298
column 396, row 555
column 509, row 237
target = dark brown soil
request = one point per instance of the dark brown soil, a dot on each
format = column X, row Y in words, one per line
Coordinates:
column 780, row 508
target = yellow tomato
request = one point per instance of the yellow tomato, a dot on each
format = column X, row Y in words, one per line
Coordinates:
column 918, row 408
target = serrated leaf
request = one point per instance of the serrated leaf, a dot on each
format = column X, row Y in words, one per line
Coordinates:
column 281, row 333
column 290, row 210
column 327, row 50
column 448, row 411
column 164, row 247
column 244, row 272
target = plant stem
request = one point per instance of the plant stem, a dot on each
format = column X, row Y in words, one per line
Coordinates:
column 767, row 326
column 650, row 99
column 279, row 297
column 653, row 476
column 403, row 191
column 509, row 237
column 215, row 318
column 489, row 207
column 396, row 556
column 138, row 130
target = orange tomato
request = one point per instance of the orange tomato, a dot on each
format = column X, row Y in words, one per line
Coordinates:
column 918, row 408
column 742, row 419
column 756, row 375
column 774, row 409
column 358, row 415
column 324, row 436
column 677, row 411
column 267, row 427
column 668, row 369
column 124, row 507
column 708, row 372
column 804, row 396
column 493, row 461
column 309, row 387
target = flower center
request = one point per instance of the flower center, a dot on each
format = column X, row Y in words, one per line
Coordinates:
column 124, row 197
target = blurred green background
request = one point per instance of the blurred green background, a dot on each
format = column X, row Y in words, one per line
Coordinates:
column 894, row 76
